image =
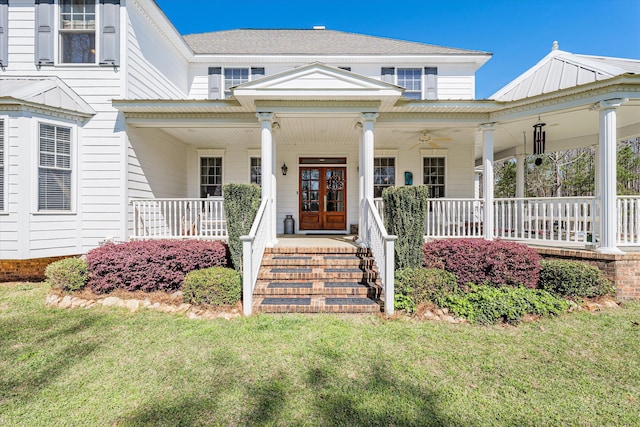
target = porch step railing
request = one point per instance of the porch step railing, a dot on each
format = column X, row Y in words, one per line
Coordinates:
column 382, row 246
column 178, row 219
column 253, row 246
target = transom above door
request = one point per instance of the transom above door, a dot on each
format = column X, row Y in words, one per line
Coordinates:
column 323, row 191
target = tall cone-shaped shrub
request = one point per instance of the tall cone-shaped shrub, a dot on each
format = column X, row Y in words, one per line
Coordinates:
column 405, row 214
column 241, row 204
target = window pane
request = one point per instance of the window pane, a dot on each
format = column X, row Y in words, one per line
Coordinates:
column 434, row 176
column 411, row 80
column 256, row 170
column 77, row 31
column 210, row 177
column 384, row 174
column 54, row 173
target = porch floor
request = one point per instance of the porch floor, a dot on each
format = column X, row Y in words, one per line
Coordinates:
column 312, row 241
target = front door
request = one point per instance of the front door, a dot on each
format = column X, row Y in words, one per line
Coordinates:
column 323, row 202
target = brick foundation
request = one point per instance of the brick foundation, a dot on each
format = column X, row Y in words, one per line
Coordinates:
column 623, row 270
column 26, row 270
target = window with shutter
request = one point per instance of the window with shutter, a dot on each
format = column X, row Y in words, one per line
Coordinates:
column 77, row 31
column 110, row 32
column 44, row 32
column 2, row 156
column 215, row 74
column 54, row 168
column 388, row 75
column 234, row 77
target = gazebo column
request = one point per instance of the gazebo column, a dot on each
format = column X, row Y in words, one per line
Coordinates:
column 519, row 205
column 267, row 169
column 367, row 154
column 487, row 178
column 608, row 177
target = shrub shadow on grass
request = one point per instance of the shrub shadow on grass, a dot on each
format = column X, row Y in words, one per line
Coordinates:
column 53, row 354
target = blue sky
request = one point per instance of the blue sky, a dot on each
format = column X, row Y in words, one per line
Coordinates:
column 518, row 32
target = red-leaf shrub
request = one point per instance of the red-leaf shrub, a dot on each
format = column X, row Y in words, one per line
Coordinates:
column 478, row 261
column 150, row 265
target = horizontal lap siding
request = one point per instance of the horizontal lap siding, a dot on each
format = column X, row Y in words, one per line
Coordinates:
column 98, row 165
column 155, row 68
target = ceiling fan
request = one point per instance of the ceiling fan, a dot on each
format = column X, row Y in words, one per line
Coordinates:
column 429, row 138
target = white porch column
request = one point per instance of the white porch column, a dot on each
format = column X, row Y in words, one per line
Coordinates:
column 487, row 177
column 360, row 182
column 608, row 177
column 274, row 182
column 520, row 159
column 267, row 162
column 367, row 153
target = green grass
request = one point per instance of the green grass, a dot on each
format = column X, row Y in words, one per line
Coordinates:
column 111, row 367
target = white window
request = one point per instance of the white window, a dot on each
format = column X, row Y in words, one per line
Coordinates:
column 255, row 170
column 434, row 176
column 210, row 177
column 2, row 156
column 234, row 77
column 384, row 174
column 411, row 80
column 54, row 168
column 77, row 31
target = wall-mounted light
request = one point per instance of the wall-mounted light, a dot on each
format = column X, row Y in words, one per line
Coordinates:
column 284, row 169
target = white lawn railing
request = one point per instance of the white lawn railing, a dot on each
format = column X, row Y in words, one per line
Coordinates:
column 253, row 246
column 383, row 251
column 179, row 219
column 629, row 220
column 553, row 219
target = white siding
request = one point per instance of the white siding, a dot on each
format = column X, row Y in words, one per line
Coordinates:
column 155, row 69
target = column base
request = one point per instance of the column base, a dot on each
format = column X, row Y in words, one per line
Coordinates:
column 611, row 251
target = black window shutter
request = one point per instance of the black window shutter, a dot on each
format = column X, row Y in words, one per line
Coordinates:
column 431, row 82
column 110, row 32
column 4, row 37
column 44, row 32
column 388, row 75
column 257, row 73
column 215, row 76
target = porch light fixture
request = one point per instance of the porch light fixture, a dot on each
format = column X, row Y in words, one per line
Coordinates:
column 284, row 169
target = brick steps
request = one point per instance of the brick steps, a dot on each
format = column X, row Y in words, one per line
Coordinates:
column 317, row 280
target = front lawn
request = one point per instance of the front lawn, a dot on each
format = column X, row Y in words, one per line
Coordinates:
column 111, row 367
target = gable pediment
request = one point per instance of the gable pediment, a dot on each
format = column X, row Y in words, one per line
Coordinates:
column 316, row 81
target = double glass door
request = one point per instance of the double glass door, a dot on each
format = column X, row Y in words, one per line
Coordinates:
column 323, row 201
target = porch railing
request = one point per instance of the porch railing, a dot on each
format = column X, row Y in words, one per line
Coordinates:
column 253, row 246
column 629, row 220
column 553, row 219
column 179, row 219
column 382, row 247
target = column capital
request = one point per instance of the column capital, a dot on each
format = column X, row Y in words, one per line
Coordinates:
column 488, row 126
column 265, row 117
column 608, row 104
column 368, row 117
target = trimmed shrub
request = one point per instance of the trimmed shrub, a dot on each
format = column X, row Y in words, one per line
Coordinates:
column 487, row 304
column 213, row 286
column 241, row 204
column 414, row 286
column 479, row 261
column 150, row 265
column 405, row 213
column 573, row 279
column 69, row 274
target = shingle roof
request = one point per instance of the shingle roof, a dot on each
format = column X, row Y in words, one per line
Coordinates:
column 561, row 70
column 310, row 42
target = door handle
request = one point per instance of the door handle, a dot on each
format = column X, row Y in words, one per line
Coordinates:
column 324, row 207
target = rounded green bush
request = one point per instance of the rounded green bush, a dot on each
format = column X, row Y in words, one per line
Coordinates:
column 414, row 286
column 573, row 279
column 69, row 274
column 213, row 286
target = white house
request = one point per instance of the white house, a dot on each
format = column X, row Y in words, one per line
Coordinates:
column 112, row 124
